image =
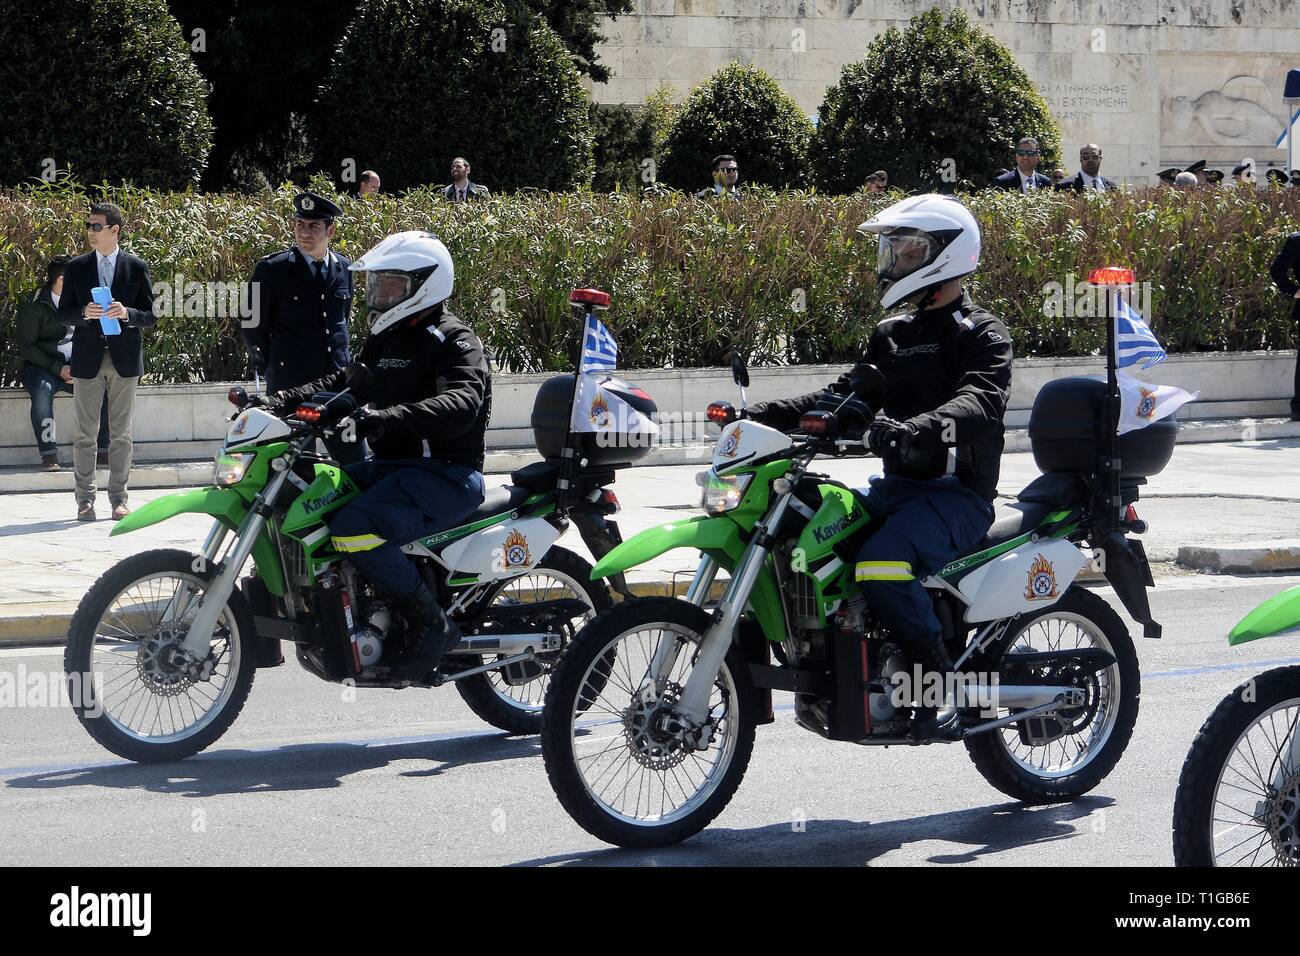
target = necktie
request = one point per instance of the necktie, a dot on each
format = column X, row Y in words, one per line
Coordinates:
column 460, row 195
column 320, row 273
column 105, row 273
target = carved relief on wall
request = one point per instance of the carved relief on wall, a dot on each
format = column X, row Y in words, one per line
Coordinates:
column 1233, row 115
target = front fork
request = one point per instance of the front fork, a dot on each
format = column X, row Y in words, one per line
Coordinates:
column 198, row 639
column 693, row 707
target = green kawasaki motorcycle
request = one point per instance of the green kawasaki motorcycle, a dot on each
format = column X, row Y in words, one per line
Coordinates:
column 650, row 717
column 162, row 650
column 1238, row 801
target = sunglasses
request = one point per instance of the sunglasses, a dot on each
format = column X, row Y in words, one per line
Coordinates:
column 96, row 226
column 1026, row 152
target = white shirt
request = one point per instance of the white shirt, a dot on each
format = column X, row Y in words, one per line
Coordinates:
column 1026, row 182
column 1092, row 182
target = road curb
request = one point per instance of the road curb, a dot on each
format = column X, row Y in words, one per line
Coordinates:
column 1260, row 557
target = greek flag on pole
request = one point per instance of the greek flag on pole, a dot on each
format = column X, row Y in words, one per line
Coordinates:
column 1140, row 403
column 599, row 350
column 1134, row 340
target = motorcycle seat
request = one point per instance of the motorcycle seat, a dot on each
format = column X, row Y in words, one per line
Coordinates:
column 1038, row 499
column 1013, row 520
column 498, row 500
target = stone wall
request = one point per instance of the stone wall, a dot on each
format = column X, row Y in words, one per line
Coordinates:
column 1157, row 83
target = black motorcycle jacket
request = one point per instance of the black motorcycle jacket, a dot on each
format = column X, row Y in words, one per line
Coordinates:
column 948, row 377
column 432, row 390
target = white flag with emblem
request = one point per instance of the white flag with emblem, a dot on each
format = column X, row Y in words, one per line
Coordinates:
column 1141, row 404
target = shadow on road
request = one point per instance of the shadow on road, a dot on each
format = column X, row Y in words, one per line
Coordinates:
column 988, row 831
column 292, row 767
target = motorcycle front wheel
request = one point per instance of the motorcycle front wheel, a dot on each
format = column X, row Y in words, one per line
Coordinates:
column 608, row 743
column 126, row 688
column 1238, row 800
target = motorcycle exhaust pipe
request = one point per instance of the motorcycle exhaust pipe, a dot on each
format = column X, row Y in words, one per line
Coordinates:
column 509, row 644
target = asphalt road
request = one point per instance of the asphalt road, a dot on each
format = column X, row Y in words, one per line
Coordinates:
column 411, row 777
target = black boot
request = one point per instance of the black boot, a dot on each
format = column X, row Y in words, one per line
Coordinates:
column 926, row 721
column 438, row 633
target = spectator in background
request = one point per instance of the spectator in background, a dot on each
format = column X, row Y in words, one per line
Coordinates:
column 1284, row 271
column 368, row 183
column 1025, row 177
column 1243, row 174
column 107, row 356
column 878, row 182
column 1058, row 177
column 726, row 171
column 45, row 344
column 1276, row 177
column 1186, row 180
column 1089, row 177
column 461, row 189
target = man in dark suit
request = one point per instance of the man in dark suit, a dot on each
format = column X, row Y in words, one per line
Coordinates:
column 301, row 299
column 1285, row 270
column 107, row 357
column 1089, row 177
column 461, row 189
column 1024, row 178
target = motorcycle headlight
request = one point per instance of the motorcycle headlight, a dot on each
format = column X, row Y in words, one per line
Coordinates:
column 723, row 493
column 229, row 468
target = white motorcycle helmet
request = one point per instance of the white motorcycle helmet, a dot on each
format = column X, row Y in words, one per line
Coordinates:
column 407, row 273
column 924, row 242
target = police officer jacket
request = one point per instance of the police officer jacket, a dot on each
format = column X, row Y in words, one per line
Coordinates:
column 1284, row 268
column 299, row 327
column 432, row 390
column 948, row 374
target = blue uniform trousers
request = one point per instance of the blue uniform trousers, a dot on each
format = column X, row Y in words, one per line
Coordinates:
column 923, row 525
column 403, row 500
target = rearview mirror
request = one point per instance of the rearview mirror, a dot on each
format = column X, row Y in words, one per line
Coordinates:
column 739, row 371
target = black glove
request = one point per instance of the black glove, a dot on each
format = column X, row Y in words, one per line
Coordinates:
column 885, row 435
column 370, row 424
column 851, row 413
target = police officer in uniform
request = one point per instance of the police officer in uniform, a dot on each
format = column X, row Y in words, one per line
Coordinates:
column 1285, row 270
column 302, row 297
column 429, row 406
column 947, row 372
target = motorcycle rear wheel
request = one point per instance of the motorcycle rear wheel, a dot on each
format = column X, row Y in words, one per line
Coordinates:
column 517, row 708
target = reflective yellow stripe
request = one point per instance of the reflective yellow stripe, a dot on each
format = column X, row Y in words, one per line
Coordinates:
column 883, row 571
column 357, row 542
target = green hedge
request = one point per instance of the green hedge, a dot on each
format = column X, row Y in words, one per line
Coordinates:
column 781, row 275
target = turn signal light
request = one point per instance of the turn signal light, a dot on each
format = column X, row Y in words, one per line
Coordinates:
column 1112, row 275
column 721, row 413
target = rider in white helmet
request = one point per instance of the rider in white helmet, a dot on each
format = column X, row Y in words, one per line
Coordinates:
column 946, row 367
column 429, row 404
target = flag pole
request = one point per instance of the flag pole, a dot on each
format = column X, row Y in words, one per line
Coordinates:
column 1113, row 462
column 569, row 455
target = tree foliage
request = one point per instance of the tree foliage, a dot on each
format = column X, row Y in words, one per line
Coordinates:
column 103, row 87
column 937, row 104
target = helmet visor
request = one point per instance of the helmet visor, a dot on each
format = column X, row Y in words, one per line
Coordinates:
column 386, row 289
column 903, row 251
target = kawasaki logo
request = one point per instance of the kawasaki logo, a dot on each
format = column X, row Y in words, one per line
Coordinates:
column 828, row 531
column 316, row 504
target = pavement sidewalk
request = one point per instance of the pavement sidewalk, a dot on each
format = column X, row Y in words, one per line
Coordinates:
column 1223, row 507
